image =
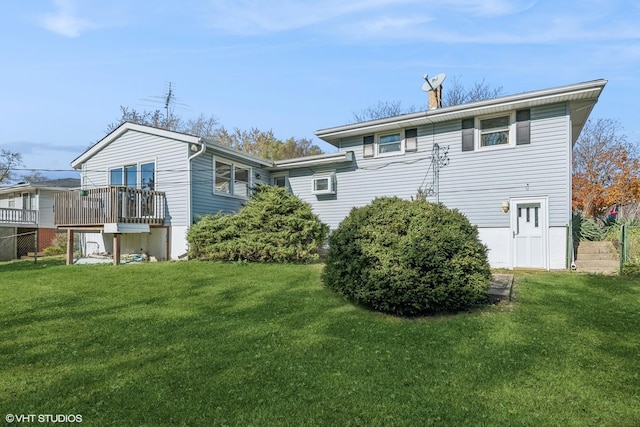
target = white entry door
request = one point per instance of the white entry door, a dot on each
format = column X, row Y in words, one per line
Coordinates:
column 528, row 227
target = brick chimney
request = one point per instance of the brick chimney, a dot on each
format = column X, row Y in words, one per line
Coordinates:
column 435, row 98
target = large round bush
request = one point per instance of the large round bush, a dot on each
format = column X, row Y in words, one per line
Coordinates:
column 274, row 226
column 408, row 258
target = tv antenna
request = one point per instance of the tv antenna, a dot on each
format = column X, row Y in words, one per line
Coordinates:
column 168, row 101
column 434, row 84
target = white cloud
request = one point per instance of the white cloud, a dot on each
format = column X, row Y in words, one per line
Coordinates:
column 252, row 17
column 501, row 22
column 65, row 21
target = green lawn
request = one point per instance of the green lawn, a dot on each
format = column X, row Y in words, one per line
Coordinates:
column 234, row 344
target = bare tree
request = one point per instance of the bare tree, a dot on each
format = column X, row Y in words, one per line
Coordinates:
column 382, row 110
column 201, row 126
column 253, row 141
column 35, row 176
column 456, row 93
column 8, row 162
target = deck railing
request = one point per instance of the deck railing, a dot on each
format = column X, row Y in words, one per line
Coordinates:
column 101, row 206
column 18, row 216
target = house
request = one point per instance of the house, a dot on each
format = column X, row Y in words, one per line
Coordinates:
column 142, row 188
column 26, row 208
column 505, row 163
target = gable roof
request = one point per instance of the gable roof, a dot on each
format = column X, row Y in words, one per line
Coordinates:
column 121, row 130
column 581, row 98
column 164, row 133
column 61, row 184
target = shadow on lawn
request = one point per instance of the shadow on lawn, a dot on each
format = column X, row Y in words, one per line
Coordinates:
column 173, row 351
column 26, row 265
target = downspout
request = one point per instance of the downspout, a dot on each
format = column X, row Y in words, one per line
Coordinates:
column 199, row 148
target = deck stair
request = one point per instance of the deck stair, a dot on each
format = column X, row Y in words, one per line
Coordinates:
column 597, row 257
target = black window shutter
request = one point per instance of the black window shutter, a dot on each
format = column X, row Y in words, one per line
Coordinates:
column 467, row 134
column 523, row 127
column 367, row 146
column 411, row 139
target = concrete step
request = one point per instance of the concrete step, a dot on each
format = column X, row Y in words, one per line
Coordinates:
column 598, row 263
column 596, row 247
column 597, row 257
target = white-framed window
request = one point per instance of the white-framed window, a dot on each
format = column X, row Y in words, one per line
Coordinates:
column 12, row 201
column 231, row 178
column 390, row 143
column 324, row 183
column 279, row 180
column 139, row 175
column 495, row 131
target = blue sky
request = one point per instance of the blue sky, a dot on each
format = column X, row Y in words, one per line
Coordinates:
column 290, row 66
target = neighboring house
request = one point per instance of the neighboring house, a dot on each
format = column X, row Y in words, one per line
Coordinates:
column 505, row 163
column 25, row 208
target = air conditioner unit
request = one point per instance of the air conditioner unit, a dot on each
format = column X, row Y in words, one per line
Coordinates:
column 324, row 184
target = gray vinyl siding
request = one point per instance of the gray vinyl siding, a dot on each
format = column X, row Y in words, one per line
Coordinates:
column 203, row 199
column 134, row 147
column 475, row 182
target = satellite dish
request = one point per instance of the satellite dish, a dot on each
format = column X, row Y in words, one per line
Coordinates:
column 433, row 83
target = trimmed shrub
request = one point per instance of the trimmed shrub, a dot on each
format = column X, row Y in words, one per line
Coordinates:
column 274, row 226
column 408, row 258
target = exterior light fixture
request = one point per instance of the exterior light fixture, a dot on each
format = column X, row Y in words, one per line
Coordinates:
column 505, row 206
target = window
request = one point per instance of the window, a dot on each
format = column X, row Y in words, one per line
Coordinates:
column 223, row 178
column 115, row 177
column 279, row 181
column 241, row 181
column 148, row 176
column 12, row 201
column 389, row 144
column 494, row 131
column 141, row 175
column 324, row 184
column 131, row 176
column 232, row 179
column 505, row 130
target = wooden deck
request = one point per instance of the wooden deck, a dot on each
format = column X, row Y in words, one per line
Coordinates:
column 18, row 216
column 100, row 206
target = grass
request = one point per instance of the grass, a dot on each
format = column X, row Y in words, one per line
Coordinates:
column 235, row 344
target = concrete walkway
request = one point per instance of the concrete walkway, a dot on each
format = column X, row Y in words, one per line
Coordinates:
column 500, row 289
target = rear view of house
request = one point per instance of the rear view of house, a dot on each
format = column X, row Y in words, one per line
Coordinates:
column 505, row 163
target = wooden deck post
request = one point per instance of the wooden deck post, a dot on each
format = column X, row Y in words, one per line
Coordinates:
column 116, row 249
column 69, row 246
